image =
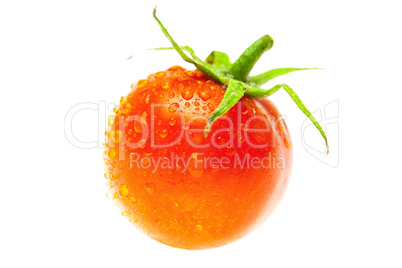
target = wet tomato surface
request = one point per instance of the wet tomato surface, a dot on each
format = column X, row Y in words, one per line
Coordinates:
column 183, row 188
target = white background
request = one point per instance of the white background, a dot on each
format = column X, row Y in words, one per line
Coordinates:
column 56, row 54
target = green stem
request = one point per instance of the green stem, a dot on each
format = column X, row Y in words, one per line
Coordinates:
column 235, row 76
column 245, row 63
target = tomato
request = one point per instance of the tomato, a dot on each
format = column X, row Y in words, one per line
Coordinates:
column 198, row 159
column 185, row 189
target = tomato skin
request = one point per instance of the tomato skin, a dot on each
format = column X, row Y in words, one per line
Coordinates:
column 223, row 188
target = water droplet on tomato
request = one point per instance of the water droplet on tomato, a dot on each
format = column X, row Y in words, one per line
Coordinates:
column 150, row 187
column 123, row 100
column 111, row 120
column 123, row 190
column 144, row 116
column 204, row 95
column 109, row 194
column 172, row 121
column 116, row 108
column 117, row 137
column 191, row 74
column 111, row 135
column 140, row 123
column 163, row 133
column 137, row 127
column 171, row 95
column 286, row 143
column 142, row 143
column 142, row 83
column 112, row 154
column 166, row 85
column 125, row 213
column 176, row 68
column 126, row 108
column 187, row 94
column 147, row 98
column 173, row 107
column 160, row 74
column 195, row 166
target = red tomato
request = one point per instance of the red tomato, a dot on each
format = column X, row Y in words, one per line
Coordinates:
column 184, row 189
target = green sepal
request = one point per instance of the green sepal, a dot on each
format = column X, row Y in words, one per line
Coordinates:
column 234, row 92
column 263, row 78
column 219, row 60
column 186, row 48
column 256, row 92
column 199, row 64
